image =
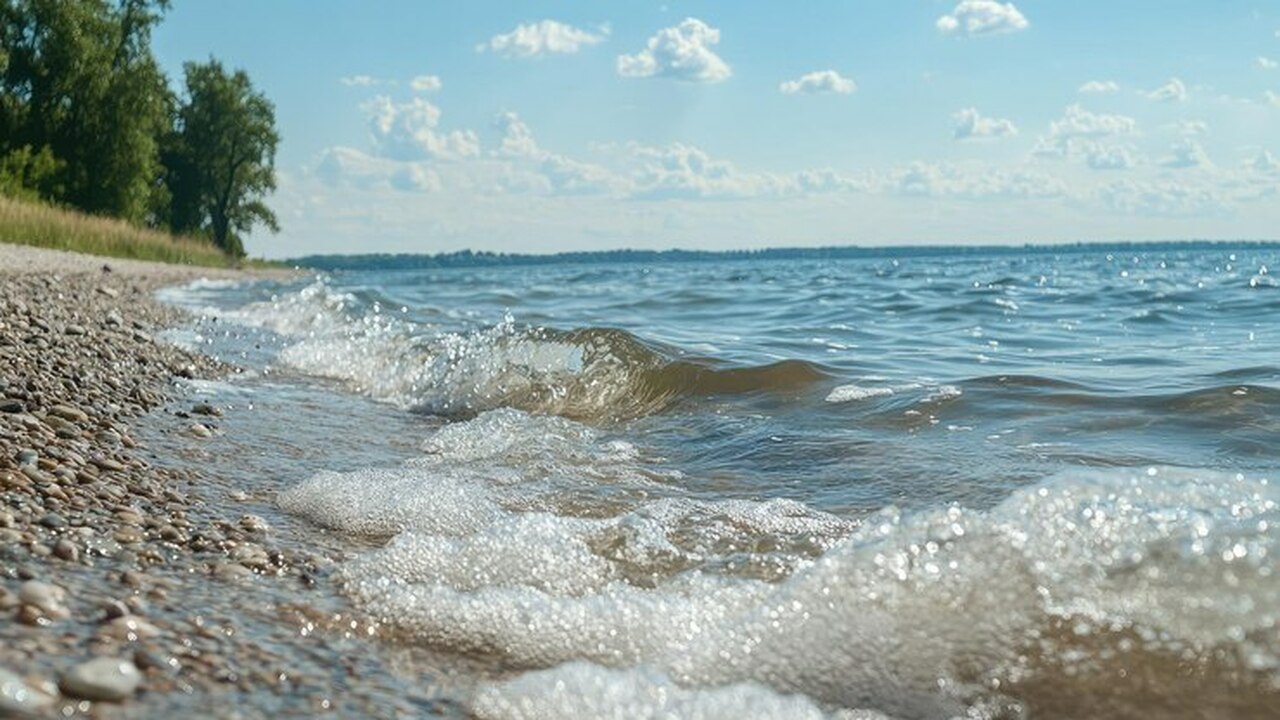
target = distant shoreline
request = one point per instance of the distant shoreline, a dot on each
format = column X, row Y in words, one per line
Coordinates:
column 471, row 259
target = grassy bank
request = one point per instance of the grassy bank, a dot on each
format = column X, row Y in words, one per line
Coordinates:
column 25, row 223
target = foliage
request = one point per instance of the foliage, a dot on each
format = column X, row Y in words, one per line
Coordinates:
column 87, row 120
column 221, row 158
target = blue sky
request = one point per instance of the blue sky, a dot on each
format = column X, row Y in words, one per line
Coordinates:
column 538, row 127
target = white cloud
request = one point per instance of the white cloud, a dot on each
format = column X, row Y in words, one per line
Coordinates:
column 426, row 83
column 1272, row 98
column 682, row 52
column 1172, row 91
column 970, row 125
column 348, row 167
column 1191, row 128
column 1266, row 63
column 408, row 131
column 944, row 181
column 364, row 81
column 1186, row 153
column 821, row 81
column 1110, row 157
column 1079, row 129
column 1264, row 163
column 544, row 37
column 982, row 17
column 684, row 171
column 1100, row 87
column 1161, row 198
column 555, row 173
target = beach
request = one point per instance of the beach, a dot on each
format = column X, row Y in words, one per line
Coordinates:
column 994, row 486
column 124, row 585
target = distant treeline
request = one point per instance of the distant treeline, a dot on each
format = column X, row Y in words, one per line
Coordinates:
column 88, row 121
column 467, row 258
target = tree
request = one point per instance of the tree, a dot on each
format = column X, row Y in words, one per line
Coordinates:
column 81, row 92
column 220, row 160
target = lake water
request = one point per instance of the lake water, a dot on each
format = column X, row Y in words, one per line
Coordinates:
column 1035, row 485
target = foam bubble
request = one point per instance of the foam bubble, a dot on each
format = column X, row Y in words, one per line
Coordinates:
column 582, row 690
column 854, row 393
column 919, row 615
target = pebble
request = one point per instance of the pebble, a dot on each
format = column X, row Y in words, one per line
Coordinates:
column 74, row 330
column 10, row 405
column 26, row 457
column 103, row 678
column 47, row 598
column 53, row 521
column 66, row 550
column 205, row 409
column 68, row 413
column 230, row 572
column 200, row 430
column 130, row 628
column 254, row 523
column 17, row 699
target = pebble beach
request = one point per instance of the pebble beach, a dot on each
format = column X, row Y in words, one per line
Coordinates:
column 127, row 588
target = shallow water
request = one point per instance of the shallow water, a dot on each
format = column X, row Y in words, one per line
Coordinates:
column 1038, row 485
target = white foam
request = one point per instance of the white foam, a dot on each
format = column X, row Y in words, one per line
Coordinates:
column 854, row 393
column 582, row 690
column 507, row 554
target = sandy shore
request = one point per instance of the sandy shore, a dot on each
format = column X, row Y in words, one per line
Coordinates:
column 114, row 570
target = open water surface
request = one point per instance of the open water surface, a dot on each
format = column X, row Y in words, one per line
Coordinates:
column 1036, row 485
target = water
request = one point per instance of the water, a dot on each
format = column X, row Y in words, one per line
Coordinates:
column 1020, row 486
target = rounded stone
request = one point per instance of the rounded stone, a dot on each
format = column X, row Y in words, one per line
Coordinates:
column 49, row 599
column 102, row 679
column 17, row 699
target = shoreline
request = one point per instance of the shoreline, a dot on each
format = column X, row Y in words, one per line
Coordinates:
column 118, row 574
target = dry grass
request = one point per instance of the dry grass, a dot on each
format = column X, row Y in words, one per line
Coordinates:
column 25, row 223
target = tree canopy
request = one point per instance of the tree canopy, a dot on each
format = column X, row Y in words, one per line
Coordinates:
column 222, row 157
column 87, row 120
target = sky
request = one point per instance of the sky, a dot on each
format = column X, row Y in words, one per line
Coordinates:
column 539, row 127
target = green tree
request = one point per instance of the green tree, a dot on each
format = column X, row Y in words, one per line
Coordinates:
column 78, row 82
column 220, row 161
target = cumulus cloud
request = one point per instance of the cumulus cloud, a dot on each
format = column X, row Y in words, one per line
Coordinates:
column 821, row 81
column 1161, row 197
column 680, row 171
column 1172, row 91
column 1266, row 63
column 1110, row 157
column 1272, row 98
column 982, row 17
column 364, row 81
column 1100, row 87
column 1185, row 154
column 348, row 167
column 545, row 37
column 682, row 52
column 945, row 181
column 409, row 131
column 554, row 173
column 426, row 83
column 970, row 125
column 1081, row 130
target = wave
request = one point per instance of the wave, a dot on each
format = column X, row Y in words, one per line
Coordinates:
column 586, row 373
column 539, row 541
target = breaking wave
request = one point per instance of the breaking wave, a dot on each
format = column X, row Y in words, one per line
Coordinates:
column 586, row 373
column 580, row 561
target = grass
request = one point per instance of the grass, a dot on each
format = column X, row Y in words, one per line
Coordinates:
column 27, row 223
